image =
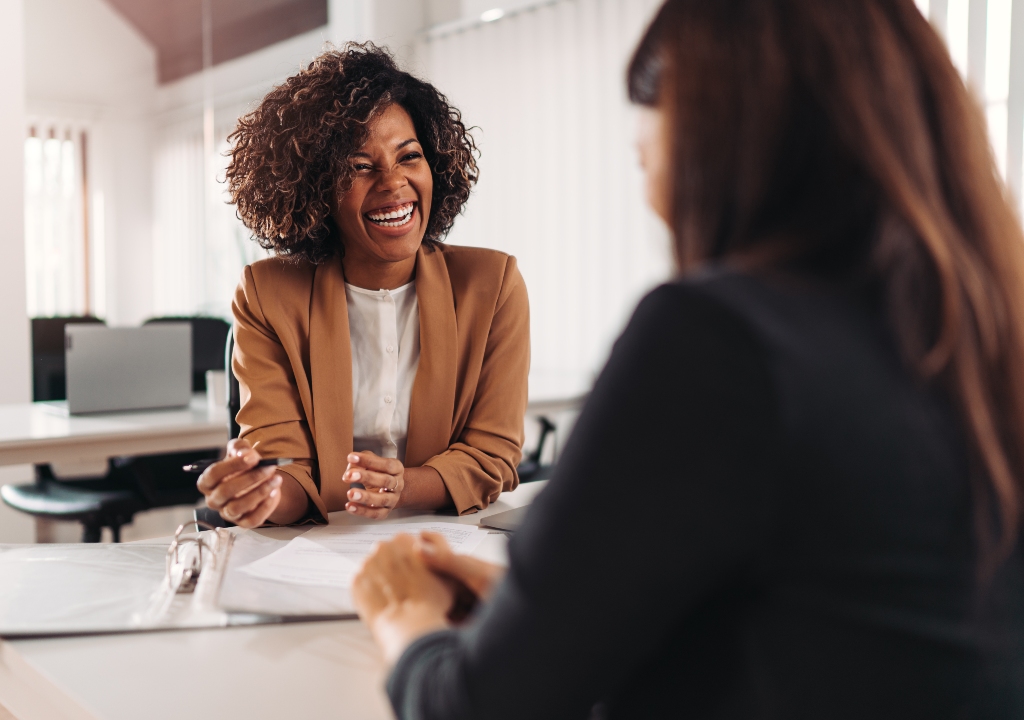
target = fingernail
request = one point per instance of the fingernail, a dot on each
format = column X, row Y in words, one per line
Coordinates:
column 353, row 458
column 357, row 496
column 428, row 548
column 352, row 509
column 357, row 476
column 274, row 493
column 276, row 482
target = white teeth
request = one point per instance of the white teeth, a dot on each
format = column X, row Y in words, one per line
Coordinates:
column 398, row 223
column 400, row 212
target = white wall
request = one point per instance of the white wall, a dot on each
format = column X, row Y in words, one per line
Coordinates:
column 15, row 359
column 560, row 184
column 86, row 63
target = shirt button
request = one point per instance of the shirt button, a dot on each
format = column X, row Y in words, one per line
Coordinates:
column 387, row 399
column 391, row 348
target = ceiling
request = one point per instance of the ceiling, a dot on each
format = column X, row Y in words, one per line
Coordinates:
column 174, row 27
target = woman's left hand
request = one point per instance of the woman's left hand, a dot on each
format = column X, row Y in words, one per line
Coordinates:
column 398, row 596
column 383, row 480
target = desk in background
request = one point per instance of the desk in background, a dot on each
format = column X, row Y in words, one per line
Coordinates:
column 80, row 446
column 35, row 433
column 302, row 670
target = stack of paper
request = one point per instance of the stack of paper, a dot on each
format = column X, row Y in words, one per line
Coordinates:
column 311, row 575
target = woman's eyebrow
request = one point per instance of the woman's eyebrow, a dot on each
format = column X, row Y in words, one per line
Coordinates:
column 399, row 146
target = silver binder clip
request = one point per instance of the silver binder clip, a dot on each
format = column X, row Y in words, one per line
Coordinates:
column 183, row 576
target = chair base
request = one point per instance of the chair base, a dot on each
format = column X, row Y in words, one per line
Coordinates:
column 95, row 509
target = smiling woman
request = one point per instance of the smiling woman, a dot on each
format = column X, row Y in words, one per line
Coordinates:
column 392, row 368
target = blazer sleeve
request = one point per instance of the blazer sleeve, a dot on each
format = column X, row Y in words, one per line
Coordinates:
column 481, row 463
column 271, row 416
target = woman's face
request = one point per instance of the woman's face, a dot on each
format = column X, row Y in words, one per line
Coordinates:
column 383, row 216
column 654, row 159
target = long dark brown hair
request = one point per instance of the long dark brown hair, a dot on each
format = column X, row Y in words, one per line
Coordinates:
column 838, row 133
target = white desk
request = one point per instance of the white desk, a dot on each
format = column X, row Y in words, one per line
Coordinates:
column 32, row 433
column 311, row 670
column 35, row 433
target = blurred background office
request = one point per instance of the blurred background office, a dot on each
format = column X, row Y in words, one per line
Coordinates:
column 115, row 117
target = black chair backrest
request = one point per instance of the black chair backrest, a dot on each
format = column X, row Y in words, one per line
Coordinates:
column 208, row 337
column 49, row 381
column 234, row 395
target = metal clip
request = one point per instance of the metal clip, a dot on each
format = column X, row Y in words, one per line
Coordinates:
column 186, row 583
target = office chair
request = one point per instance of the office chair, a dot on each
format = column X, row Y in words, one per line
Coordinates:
column 531, row 469
column 48, row 376
column 94, row 502
column 131, row 484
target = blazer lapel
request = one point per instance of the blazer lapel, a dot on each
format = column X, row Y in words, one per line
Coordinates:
column 330, row 361
column 432, row 406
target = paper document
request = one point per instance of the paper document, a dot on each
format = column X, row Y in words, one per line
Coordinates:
column 303, row 562
column 358, row 539
column 329, row 556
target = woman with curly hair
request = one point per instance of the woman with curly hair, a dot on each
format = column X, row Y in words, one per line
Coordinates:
column 392, row 368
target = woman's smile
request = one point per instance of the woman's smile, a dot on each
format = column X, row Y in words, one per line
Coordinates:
column 393, row 217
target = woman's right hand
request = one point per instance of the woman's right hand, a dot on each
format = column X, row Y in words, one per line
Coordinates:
column 241, row 492
column 477, row 576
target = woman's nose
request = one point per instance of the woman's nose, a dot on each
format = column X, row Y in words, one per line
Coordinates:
column 391, row 179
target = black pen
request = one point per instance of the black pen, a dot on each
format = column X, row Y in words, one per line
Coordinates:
column 198, row 467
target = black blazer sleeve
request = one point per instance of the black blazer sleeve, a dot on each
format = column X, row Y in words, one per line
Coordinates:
column 660, row 500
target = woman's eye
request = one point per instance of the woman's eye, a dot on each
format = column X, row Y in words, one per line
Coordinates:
column 412, row 156
column 362, row 167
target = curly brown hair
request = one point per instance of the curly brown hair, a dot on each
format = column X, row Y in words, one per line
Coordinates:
column 290, row 156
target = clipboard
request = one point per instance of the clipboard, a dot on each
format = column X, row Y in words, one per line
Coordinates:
column 198, row 582
column 62, row 590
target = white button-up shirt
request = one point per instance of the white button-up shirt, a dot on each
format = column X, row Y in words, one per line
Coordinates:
column 384, row 326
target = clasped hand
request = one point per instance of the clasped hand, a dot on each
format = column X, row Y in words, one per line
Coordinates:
column 383, row 480
column 409, row 587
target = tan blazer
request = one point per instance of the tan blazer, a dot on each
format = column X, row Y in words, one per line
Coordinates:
column 293, row 360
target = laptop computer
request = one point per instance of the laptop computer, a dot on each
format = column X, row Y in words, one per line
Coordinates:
column 112, row 369
column 509, row 521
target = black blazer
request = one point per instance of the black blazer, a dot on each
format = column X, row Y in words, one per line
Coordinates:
column 760, row 514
